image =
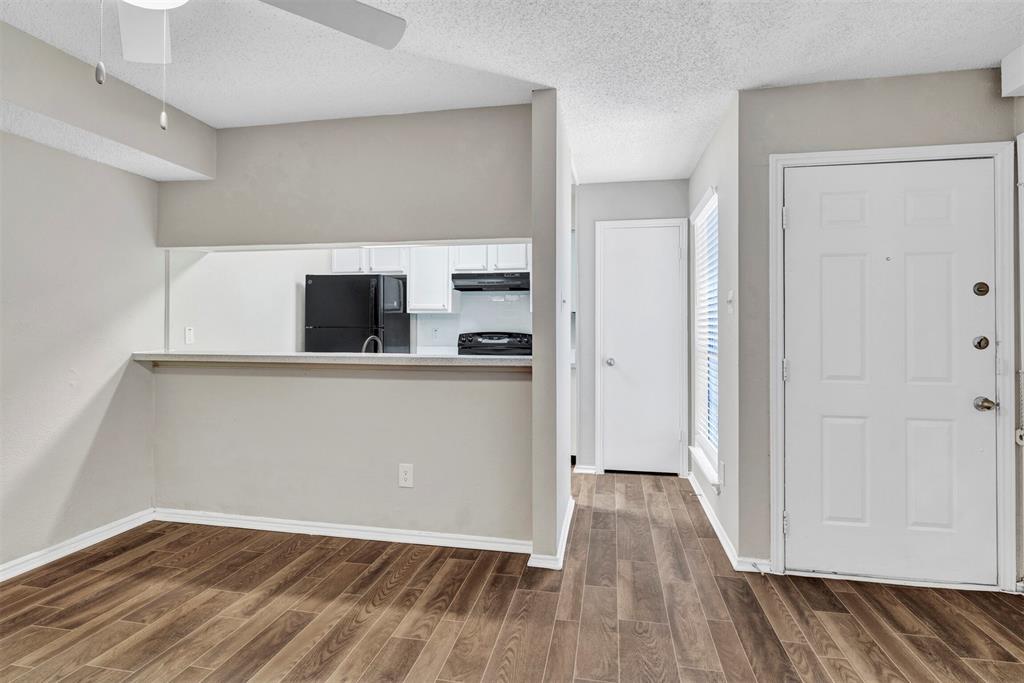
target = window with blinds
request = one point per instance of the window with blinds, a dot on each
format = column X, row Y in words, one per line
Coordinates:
column 705, row 336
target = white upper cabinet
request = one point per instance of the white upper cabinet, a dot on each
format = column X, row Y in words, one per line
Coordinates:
column 509, row 257
column 430, row 280
column 347, row 260
column 387, row 259
column 370, row 260
column 482, row 258
column 470, row 258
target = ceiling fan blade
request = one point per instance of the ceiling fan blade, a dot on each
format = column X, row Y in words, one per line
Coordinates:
column 349, row 16
column 142, row 38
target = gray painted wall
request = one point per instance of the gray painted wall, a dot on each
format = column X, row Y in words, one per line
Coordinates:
column 324, row 445
column 113, row 122
column 719, row 168
column 82, row 287
column 551, row 284
column 241, row 300
column 461, row 174
column 609, row 201
column 933, row 109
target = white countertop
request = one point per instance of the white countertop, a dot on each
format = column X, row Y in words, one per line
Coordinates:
column 365, row 359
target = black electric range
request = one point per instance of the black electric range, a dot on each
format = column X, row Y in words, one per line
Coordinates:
column 495, row 344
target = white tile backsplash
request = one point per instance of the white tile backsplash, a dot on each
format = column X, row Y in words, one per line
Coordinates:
column 479, row 312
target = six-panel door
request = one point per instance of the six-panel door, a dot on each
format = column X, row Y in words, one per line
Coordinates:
column 890, row 324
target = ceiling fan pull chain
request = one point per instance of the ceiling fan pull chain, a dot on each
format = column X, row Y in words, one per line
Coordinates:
column 163, row 84
column 101, row 69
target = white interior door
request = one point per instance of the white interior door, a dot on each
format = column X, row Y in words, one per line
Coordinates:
column 890, row 315
column 641, row 345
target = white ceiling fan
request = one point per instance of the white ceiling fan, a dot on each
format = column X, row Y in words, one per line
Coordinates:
column 144, row 36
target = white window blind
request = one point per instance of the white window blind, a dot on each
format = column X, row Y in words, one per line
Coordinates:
column 705, row 305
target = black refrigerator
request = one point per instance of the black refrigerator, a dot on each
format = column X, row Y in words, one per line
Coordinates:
column 343, row 311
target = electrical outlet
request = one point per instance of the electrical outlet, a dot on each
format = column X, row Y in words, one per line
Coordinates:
column 190, row 335
column 435, row 333
column 405, row 476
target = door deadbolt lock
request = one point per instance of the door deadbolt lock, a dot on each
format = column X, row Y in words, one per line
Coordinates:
column 980, row 342
column 981, row 288
column 984, row 404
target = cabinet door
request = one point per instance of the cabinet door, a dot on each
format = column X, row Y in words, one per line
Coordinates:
column 509, row 257
column 387, row 259
column 347, row 260
column 470, row 257
column 430, row 280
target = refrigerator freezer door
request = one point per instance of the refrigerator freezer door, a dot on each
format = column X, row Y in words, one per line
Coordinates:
column 341, row 300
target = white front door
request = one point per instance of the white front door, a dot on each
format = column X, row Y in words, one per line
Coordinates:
column 641, row 345
column 890, row 314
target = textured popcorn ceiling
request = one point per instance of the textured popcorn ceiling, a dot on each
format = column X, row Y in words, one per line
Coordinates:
column 244, row 63
column 643, row 83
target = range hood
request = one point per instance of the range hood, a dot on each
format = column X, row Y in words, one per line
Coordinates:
column 491, row 282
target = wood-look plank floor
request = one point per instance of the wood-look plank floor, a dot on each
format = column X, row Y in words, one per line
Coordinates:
column 647, row 594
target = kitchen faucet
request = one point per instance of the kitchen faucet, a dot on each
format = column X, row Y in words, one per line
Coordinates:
column 373, row 337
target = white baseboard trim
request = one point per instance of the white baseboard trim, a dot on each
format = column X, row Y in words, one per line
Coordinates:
column 371, row 533
column 584, row 469
column 84, row 540
column 556, row 561
column 29, row 562
column 740, row 564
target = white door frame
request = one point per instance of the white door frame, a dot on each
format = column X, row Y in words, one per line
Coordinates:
column 1006, row 333
column 1020, row 331
column 599, row 231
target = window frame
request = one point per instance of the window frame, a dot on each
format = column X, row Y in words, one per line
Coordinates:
column 703, row 451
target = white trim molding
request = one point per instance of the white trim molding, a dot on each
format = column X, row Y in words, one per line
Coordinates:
column 31, row 561
column 584, row 469
column 1002, row 154
column 682, row 224
column 371, row 533
column 740, row 564
column 710, row 472
column 55, row 552
column 556, row 561
column 709, row 193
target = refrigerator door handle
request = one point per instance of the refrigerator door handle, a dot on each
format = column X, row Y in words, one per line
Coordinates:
column 373, row 304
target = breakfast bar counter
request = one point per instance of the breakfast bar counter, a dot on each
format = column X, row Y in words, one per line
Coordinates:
column 409, row 360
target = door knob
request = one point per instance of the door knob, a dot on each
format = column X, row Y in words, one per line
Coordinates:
column 983, row 404
column 609, row 362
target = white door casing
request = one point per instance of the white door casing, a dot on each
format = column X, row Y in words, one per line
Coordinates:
column 889, row 469
column 640, row 345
